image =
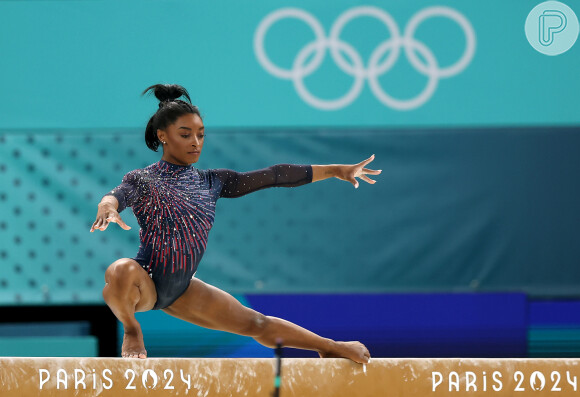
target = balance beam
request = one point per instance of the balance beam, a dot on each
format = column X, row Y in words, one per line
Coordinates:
column 301, row 377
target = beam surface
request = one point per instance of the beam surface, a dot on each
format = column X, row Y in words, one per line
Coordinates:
column 301, row 377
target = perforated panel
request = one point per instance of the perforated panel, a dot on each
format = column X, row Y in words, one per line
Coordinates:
column 52, row 181
column 454, row 210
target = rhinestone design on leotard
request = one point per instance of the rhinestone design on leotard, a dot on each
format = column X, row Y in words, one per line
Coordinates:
column 175, row 208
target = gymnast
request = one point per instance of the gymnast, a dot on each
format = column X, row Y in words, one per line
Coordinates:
column 174, row 204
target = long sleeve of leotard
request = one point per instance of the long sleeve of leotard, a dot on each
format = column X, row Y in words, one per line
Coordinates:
column 126, row 192
column 236, row 184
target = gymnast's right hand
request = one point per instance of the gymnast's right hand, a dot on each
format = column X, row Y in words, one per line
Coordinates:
column 107, row 213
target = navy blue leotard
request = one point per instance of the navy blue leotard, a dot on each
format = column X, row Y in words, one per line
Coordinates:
column 175, row 208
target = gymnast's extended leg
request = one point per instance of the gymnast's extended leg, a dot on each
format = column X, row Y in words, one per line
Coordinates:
column 129, row 289
column 210, row 307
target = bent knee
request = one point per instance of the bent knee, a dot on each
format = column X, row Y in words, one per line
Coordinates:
column 123, row 269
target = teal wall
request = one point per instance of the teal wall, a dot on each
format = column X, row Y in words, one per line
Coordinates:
column 82, row 64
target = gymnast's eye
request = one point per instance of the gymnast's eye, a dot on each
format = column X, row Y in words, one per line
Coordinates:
column 185, row 136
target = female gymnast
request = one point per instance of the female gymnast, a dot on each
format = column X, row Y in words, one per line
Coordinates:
column 174, row 203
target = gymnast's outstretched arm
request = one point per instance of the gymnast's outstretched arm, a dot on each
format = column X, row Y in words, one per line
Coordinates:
column 237, row 184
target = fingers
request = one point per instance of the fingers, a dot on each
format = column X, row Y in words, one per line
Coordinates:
column 97, row 225
column 117, row 219
column 365, row 162
column 367, row 179
column 367, row 355
column 106, row 216
column 121, row 223
column 361, row 174
column 104, row 225
column 373, row 172
column 364, row 178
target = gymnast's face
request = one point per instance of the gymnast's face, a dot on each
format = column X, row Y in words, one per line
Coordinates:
column 184, row 140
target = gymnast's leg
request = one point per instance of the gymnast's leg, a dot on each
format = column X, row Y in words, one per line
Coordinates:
column 210, row 307
column 129, row 289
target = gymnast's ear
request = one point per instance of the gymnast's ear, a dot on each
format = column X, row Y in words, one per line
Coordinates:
column 161, row 135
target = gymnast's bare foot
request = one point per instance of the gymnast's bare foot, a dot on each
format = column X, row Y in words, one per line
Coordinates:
column 133, row 345
column 355, row 351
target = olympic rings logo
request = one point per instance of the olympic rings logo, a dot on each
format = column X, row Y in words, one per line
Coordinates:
column 357, row 69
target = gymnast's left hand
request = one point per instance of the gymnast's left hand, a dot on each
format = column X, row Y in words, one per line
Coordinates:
column 349, row 173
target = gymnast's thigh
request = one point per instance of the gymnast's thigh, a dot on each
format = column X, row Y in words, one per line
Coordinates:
column 210, row 307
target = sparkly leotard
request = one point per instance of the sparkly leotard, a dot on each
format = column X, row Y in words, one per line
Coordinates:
column 175, row 208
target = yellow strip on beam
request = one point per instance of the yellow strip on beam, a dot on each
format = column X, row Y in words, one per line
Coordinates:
column 301, row 377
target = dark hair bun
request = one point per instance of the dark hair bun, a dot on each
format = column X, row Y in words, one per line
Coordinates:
column 167, row 92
